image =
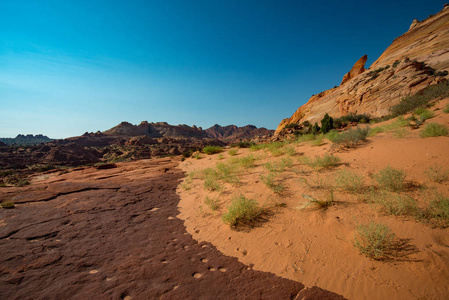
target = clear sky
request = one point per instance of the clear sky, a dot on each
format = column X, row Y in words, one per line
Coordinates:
column 71, row 66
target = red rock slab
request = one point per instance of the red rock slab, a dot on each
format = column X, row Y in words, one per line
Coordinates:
column 113, row 234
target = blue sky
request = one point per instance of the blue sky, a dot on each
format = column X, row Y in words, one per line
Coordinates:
column 67, row 67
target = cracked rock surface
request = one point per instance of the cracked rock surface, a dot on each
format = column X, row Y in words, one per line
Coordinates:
column 113, row 234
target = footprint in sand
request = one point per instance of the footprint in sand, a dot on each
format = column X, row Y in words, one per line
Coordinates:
column 212, row 269
column 204, row 260
column 197, row 275
column 222, row 269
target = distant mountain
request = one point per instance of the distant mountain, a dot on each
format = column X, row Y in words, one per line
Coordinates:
column 156, row 130
column 26, row 140
column 232, row 133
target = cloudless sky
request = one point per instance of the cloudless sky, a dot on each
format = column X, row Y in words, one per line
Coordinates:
column 67, row 67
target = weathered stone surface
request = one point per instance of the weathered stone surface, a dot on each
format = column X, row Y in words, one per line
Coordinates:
column 113, row 234
column 232, row 133
column 358, row 68
column 380, row 87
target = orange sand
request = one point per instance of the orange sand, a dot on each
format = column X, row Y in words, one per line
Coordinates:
column 314, row 246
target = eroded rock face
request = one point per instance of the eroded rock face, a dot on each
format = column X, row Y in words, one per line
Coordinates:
column 358, row 68
column 407, row 66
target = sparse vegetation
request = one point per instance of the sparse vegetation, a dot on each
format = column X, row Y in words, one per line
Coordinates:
column 420, row 99
column 242, row 211
column 438, row 210
column 212, row 184
column 433, row 130
column 391, row 179
column 351, row 118
column 327, row 123
column 374, row 240
column 395, row 204
column 233, row 152
column 437, row 174
column 197, row 155
column 352, row 137
column 212, row 203
column 327, row 161
column 7, row 205
column 212, row 149
column 424, row 114
column 349, row 181
column 269, row 181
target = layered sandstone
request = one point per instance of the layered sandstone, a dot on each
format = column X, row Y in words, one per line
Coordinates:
column 407, row 66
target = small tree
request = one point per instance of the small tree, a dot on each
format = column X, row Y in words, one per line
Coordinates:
column 316, row 128
column 327, row 123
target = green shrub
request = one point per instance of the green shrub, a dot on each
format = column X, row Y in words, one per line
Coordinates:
column 270, row 182
column 316, row 129
column 212, row 203
column 327, row 123
column 326, row 161
column 437, row 174
column 290, row 151
column 197, row 156
column 332, row 135
column 305, row 138
column 425, row 114
column 233, row 152
column 243, row 144
column 351, row 118
column 212, row 149
column 7, row 205
column 212, row 184
column 396, row 63
column 391, row 179
column 352, row 137
column 395, row 204
column 242, row 211
column 420, row 99
column 349, row 181
column 227, row 173
column 374, row 240
column 433, row 130
column 438, row 210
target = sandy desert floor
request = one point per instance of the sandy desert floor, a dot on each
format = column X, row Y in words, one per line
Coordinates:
column 315, row 245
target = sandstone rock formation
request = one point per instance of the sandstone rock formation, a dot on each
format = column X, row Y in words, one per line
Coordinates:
column 358, row 68
column 232, row 133
column 407, row 66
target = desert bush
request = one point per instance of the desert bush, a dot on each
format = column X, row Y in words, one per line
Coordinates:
column 212, row 149
column 349, row 181
column 279, row 166
column 245, row 162
column 227, row 173
column 212, row 184
column 7, row 205
column 316, row 129
column 391, row 179
column 212, row 203
column 242, row 211
column 290, row 151
column 396, row 63
column 269, row 181
column 433, row 130
column 305, row 138
column 437, row 174
column 256, row 147
column 332, row 135
column 243, row 144
column 233, row 152
column 420, row 99
column 424, row 114
column 395, row 204
column 374, row 240
column 351, row 118
column 438, row 210
column 318, row 141
column 352, row 137
column 326, row 161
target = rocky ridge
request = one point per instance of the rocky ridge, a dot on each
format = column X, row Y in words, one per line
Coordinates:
column 412, row 62
column 232, row 133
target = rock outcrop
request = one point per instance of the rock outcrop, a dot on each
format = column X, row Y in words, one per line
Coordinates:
column 232, row 133
column 358, row 68
column 411, row 63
